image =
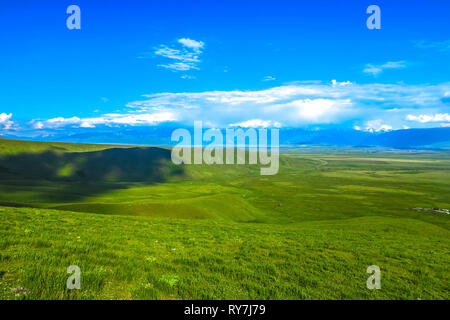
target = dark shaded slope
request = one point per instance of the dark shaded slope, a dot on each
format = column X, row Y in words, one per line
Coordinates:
column 66, row 177
column 116, row 164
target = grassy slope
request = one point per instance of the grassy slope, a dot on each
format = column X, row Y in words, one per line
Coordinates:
column 308, row 232
column 8, row 146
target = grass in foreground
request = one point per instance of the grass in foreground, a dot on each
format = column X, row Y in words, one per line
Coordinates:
column 148, row 258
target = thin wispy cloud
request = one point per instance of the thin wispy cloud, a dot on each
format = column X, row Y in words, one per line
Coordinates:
column 269, row 78
column 186, row 76
column 256, row 123
column 443, row 46
column 183, row 58
column 376, row 69
column 111, row 119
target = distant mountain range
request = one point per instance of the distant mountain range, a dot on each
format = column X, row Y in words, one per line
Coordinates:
column 400, row 139
column 430, row 138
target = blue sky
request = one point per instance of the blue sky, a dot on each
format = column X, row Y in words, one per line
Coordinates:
column 247, row 63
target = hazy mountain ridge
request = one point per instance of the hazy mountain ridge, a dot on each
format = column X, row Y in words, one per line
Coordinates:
column 438, row 138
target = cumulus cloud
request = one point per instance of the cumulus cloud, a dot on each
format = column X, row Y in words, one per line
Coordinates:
column 312, row 110
column 298, row 104
column 183, row 58
column 5, row 121
column 377, row 126
column 375, row 70
column 301, row 103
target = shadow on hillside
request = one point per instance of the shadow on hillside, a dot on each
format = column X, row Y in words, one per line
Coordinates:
column 71, row 176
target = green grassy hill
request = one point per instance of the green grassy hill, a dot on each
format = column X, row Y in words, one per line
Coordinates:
column 141, row 227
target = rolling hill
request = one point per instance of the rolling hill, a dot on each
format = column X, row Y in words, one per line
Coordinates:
column 140, row 227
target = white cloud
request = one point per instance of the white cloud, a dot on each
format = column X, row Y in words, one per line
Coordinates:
column 5, row 121
column 439, row 117
column 106, row 119
column 394, row 65
column 301, row 103
column 336, row 83
column 193, row 44
column 64, row 120
column 183, row 59
column 384, row 127
column 377, row 126
column 268, row 78
column 256, row 123
column 179, row 66
column 306, row 103
column 375, row 70
column 37, row 124
column 312, row 110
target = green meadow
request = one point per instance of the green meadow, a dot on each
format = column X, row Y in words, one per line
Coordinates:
column 141, row 227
